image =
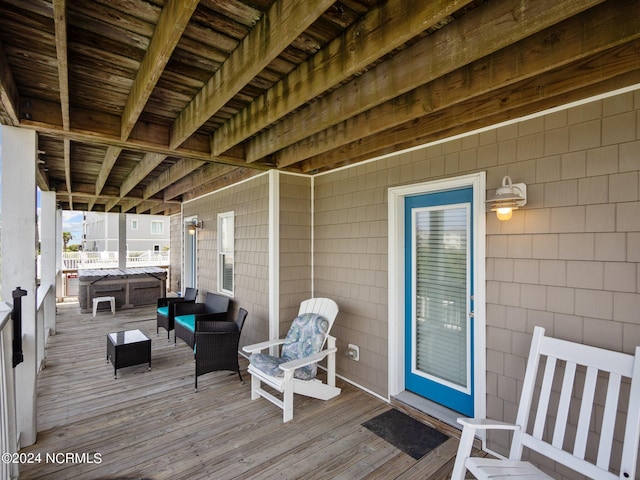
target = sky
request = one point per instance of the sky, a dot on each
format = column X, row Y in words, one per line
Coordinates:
column 72, row 222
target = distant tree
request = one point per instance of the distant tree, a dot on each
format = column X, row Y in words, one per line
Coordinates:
column 66, row 238
column 73, row 248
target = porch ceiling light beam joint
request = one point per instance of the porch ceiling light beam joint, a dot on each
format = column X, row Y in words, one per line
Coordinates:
column 285, row 21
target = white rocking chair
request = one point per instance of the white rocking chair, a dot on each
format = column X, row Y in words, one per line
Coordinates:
column 598, row 406
column 289, row 376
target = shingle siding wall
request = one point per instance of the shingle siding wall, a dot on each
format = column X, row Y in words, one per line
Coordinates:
column 351, row 265
column 295, row 246
column 249, row 201
column 175, row 254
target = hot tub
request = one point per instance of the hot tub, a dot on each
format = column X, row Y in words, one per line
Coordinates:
column 131, row 287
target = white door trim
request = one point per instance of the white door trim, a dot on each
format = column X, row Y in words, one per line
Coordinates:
column 396, row 310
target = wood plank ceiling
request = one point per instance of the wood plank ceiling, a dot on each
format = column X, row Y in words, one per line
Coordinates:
column 142, row 104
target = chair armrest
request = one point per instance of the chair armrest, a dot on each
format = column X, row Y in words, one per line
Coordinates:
column 486, row 424
column 467, row 438
column 303, row 362
column 257, row 347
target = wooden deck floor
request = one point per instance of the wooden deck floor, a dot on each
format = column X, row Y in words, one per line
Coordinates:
column 152, row 425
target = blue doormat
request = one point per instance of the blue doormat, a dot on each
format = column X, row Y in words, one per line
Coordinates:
column 405, row 433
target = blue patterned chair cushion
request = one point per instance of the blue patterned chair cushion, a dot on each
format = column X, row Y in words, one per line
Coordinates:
column 187, row 321
column 306, row 337
column 164, row 311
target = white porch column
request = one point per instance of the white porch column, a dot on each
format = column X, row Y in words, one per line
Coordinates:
column 274, row 257
column 19, row 155
column 48, row 256
column 122, row 240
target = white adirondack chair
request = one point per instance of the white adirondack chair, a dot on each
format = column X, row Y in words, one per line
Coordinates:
column 602, row 368
column 288, row 384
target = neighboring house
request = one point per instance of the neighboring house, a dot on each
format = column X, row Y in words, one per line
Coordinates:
column 143, row 232
column 569, row 260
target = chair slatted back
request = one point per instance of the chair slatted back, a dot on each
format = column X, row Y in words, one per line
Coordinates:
column 322, row 306
column 589, row 379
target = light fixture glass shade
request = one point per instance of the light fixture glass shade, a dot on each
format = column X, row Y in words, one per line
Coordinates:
column 507, row 198
column 191, row 229
column 504, row 213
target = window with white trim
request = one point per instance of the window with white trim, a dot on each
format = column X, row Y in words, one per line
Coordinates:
column 134, row 224
column 157, row 228
column 226, row 238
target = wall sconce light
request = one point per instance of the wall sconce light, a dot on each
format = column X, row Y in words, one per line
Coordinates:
column 193, row 226
column 510, row 196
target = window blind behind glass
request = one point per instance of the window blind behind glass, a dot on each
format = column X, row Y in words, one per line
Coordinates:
column 441, row 293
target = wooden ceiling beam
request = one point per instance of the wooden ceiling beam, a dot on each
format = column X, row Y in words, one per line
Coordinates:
column 60, row 22
column 67, row 168
column 576, row 38
column 283, row 22
column 125, row 205
column 44, row 117
column 453, row 129
column 171, row 24
column 8, row 92
column 178, row 170
column 604, row 72
column 383, row 29
column 80, row 191
column 105, row 168
column 42, row 179
column 145, row 205
column 144, row 167
column 484, row 30
column 165, row 209
column 195, row 179
column 221, row 181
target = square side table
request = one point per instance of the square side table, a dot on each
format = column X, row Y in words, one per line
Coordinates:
column 128, row 348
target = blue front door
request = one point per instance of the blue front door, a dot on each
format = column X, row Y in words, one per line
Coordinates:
column 439, row 298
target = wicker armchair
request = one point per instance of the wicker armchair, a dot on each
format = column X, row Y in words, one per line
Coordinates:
column 217, row 346
column 188, row 316
column 165, row 311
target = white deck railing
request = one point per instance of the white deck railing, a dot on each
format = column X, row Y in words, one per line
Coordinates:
column 45, row 318
column 45, row 324
column 82, row 260
column 8, row 436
